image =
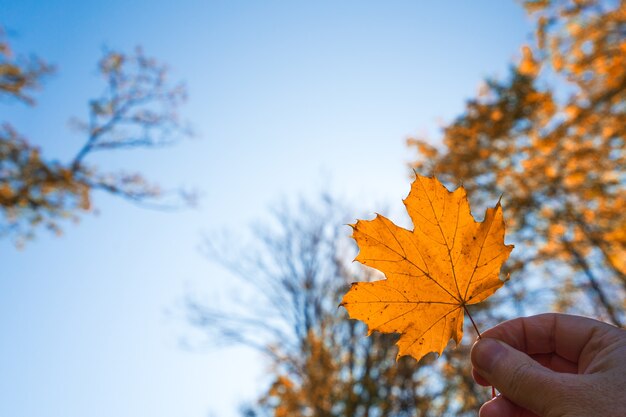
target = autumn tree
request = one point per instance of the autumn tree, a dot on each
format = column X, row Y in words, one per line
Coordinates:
column 137, row 109
column 551, row 140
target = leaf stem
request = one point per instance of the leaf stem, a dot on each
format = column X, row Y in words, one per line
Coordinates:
column 472, row 320
column 493, row 389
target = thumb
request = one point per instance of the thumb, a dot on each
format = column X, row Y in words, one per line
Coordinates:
column 516, row 375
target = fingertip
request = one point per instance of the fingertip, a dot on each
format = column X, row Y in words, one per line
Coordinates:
column 486, row 353
column 480, row 379
column 499, row 407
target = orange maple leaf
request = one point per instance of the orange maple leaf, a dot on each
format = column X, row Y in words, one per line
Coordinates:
column 432, row 273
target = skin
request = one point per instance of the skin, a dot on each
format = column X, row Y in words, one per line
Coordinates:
column 552, row 365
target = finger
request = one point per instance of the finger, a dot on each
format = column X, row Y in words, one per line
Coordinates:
column 562, row 334
column 501, row 407
column 549, row 360
column 516, row 375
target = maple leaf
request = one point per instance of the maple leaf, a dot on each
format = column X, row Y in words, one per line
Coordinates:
column 432, row 273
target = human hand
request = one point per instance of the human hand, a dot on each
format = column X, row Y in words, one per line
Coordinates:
column 552, row 365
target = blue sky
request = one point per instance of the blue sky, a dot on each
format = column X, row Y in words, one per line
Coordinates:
column 288, row 98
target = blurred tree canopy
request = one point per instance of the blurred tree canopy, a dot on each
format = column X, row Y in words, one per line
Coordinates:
column 137, row 109
column 550, row 139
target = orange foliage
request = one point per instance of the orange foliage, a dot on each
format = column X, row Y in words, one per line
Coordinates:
column 138, row 109
column 557, row 151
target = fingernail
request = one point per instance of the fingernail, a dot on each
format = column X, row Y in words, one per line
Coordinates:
column 485, row 354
